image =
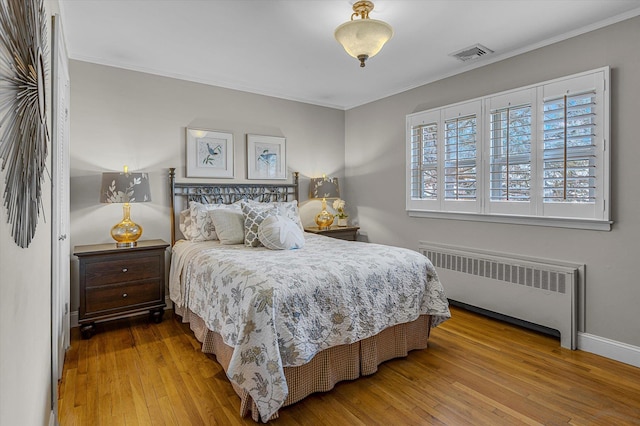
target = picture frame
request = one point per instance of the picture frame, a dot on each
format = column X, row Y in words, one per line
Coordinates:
column 266, row 157
column 209, row 153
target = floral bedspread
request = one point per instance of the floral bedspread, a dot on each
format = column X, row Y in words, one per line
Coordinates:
column 280, row 308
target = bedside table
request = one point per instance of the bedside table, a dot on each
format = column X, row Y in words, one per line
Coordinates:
column 116, row 281
column 349, row 233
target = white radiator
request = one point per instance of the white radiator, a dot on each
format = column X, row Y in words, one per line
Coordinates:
column 538, row 291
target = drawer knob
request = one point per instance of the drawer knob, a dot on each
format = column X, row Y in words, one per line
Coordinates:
column 124, row 269
column 124, row 295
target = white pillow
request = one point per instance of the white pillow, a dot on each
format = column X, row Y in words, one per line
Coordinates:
column 202, row 227
column 229, row 225
column 280, row 233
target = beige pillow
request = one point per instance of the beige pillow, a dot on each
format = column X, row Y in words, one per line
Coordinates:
column 229, row 225
column 202, row 227
column 185, row 223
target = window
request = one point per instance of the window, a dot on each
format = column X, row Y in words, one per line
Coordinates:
column 533, row 155
column 569, row 149
column 424, row 161
column 460, row 159
column 510, row 154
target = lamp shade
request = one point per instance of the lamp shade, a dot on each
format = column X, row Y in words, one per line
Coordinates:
column 364, row 37
column 324, row 187
column 125, row 187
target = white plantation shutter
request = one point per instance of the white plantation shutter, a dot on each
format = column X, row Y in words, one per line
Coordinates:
column 510, row 154
column 570, row 149
column 460, row 152
column 511, row 146
column 543, row 159
column 460, row 161
column 424, row 161
column 423, row 158
column 574, row 160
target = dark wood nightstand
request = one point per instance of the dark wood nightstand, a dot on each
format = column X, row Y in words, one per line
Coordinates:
column 349, row 233
column 117, row 281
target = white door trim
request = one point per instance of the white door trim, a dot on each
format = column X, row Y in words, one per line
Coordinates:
column 60, row 221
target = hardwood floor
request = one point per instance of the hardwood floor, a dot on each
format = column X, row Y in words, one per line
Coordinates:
column 476, row 371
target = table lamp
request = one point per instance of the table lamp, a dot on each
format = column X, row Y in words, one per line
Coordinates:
column 125, row 187
column 324, row 188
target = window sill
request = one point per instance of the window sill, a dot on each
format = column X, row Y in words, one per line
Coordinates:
column 592, row 225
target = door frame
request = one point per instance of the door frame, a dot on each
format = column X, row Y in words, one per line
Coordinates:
column 60, row 252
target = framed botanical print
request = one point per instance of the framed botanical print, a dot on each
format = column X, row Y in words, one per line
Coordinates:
column 266, row 157
column 209, row 153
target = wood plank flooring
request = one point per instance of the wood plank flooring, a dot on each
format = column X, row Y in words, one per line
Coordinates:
column 476, row 371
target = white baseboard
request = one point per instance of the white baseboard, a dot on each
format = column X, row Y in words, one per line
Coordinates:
column 609, row 349
column 53, row 420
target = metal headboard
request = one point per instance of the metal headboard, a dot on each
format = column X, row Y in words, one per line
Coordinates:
column 227, row 193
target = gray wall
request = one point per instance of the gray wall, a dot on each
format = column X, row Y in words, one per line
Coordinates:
column 123, row 117
column 375, row 170
column 25, row 306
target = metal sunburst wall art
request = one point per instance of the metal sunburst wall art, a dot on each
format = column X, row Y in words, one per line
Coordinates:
column 24, row 136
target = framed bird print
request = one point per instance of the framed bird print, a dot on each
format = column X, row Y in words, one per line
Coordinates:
column 209, row 153
column 266, row 157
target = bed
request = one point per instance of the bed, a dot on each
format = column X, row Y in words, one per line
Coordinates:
column 287, row 323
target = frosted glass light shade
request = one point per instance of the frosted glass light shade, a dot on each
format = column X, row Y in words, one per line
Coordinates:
column 363, row 38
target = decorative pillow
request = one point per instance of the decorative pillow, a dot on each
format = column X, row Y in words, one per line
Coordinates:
column 185, row 223
column 202, row 227
column 229, row 225
column 280, row 233
column 287, row 209
column 254, row 213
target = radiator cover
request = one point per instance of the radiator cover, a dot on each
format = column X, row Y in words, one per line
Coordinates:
column 539, row 291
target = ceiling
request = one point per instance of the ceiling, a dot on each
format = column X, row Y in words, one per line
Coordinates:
column 286, row 48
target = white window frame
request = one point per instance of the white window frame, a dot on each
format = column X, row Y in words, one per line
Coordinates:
column 595, row 216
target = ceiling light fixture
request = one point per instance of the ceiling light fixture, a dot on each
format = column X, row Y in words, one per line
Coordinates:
column 363, row 38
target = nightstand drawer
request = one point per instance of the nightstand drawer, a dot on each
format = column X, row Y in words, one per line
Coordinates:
column 120, row 270
column 101, row 299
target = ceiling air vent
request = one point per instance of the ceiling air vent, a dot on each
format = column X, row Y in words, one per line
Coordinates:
column 472, row 52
